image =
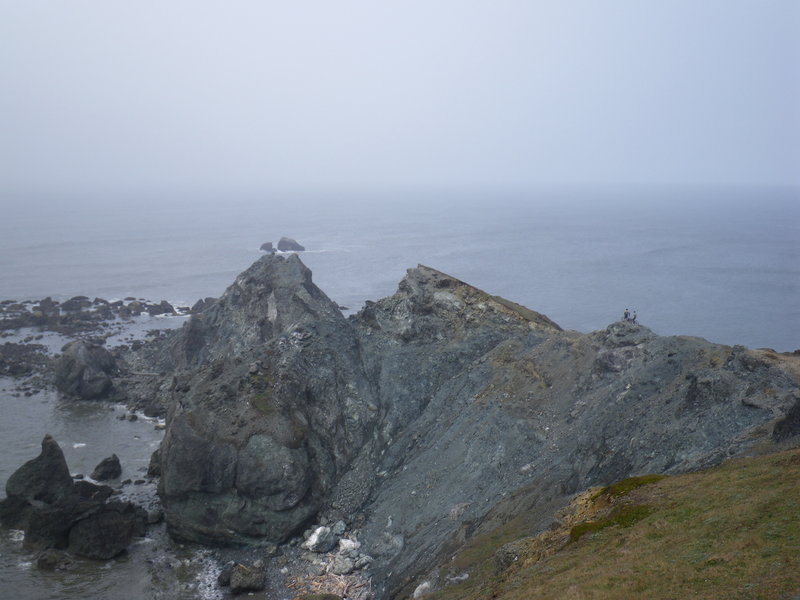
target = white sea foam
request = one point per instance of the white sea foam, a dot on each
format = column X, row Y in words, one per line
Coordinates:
column 16, row 535
column 79, row 445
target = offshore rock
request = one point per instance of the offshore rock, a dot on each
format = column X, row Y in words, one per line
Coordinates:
column 286, row 244
column 108, row 468
column 55, row 513
column 433, row 415
column 84, row 370
column 249, row 457
column 267, row 247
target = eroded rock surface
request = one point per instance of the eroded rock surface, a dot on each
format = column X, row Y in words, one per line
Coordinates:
column 84, row 370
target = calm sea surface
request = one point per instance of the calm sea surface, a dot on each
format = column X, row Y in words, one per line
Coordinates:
column 724, row 265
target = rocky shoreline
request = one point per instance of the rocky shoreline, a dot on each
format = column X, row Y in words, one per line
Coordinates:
column 352, row 456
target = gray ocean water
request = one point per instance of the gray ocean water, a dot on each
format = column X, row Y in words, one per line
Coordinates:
column 720, row 264
column 723, row 264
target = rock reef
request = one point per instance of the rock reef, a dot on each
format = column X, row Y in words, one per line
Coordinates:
column 432, row 415
column 54, row 512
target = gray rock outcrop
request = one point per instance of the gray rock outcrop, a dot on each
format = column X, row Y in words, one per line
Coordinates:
column 433, row 414
column 248, row 578
column 108, row 468
column 84, row 370
column 286, row 244
column 267, row 247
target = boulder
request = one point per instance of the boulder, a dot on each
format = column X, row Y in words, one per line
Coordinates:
column 267, row 247
column 92, row 491
column 322, row 539
column 163, row 308
column 108, row 468
column 286, row 244
column 84, row 370
column 248, row 578
column 76, row 303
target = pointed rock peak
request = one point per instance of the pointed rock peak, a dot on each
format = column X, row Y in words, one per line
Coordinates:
column 273, row 296
column 43, row 478
column 425, row 283
column 274, row 270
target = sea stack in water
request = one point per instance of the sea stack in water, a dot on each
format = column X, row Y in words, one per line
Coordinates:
column 286, row 244
column 267, row 247
column 84, row 370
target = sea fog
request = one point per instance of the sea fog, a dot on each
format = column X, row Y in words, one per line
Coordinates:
column 720, row 263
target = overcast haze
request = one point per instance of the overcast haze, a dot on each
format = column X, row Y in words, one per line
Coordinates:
column 252, row 95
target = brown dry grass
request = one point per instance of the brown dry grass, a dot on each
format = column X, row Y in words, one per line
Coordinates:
column 732, row 532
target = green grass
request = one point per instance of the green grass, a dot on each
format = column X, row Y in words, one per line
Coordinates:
column 730, row 532
column 621, row 516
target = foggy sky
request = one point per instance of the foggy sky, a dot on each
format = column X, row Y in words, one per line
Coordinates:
column 247, row 95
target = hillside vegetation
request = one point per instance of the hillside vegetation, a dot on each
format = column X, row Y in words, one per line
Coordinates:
column 728, row 532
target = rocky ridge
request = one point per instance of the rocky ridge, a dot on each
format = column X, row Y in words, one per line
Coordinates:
column 432, row 415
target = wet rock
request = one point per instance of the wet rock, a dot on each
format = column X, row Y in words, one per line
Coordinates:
column 22, row 360
column 108, row 468
column 92, row 491
column 44, row 479
column 163, row 308
column 286, row 244
column 76, row 303
column 84, row 370
column 52, row 560
column 107, row 533
column 248, row 578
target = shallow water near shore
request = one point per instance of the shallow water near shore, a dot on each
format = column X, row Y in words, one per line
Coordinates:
column 153, row 567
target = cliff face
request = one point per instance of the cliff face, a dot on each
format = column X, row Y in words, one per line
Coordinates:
column 419, row 418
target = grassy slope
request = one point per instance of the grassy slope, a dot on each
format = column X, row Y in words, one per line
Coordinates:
column 729, row 532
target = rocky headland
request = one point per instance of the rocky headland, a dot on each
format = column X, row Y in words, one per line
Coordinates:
column 428, row 419
column 432, row 415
